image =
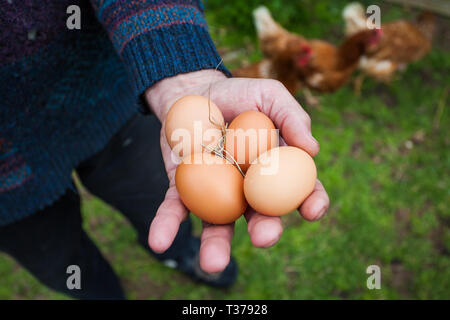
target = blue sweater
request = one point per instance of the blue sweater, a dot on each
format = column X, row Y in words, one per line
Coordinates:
column 64, row 93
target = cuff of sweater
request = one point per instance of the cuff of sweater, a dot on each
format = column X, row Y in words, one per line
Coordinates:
column 166, row 52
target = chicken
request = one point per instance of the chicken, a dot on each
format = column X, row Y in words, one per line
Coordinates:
column 266, row 68
column 274, row 40
column 316, row 63
column 401, row 43
column 330, row 67
column 281, row 71
column 281, row 65
column 280, row 49
column 301, row 63
column 355, row 19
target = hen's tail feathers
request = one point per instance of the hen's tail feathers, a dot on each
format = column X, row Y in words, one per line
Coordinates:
column 354, row 9
column 354, row 17
column 426, row 22
column 264, row 23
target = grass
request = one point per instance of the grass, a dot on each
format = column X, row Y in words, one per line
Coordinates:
column 384, row 159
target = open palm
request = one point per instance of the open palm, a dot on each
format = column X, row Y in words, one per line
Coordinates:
column 233, row 96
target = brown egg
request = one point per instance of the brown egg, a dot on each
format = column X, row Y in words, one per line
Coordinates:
column 250, row 134
column 211, row 188
column 279, row 180
column 188, row 125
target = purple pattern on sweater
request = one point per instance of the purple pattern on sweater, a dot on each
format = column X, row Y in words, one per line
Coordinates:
column 28, row 25
column 65, row 92
column 119, row 10
column 14, row 171
column 159, row 17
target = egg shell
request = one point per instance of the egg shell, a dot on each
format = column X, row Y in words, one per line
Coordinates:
column 188, row 125
column 250, row 134
column 211, row 188
column 279, row 180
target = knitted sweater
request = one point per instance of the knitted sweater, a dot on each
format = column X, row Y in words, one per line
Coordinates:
column 64, row 93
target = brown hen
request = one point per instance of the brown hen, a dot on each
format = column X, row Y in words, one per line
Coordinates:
column 401, row 43
column 297, row 61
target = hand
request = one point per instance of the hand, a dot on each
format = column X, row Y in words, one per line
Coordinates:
column 232, row 96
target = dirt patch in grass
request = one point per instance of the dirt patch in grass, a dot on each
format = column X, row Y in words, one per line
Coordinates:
column 437, row 237
column 356, row 148
column 401, row 278
column 291, row 220
column 402, row 222
column 383, row 91
column 145, row 288
column 442, row 33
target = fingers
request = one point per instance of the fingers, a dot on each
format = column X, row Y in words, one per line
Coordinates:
column 170, row 159
column 264, row 231
column 171, row 212
column 287, row 114
column 215, row 247
column 237, row 95
column 165, row 225
column 316, row 205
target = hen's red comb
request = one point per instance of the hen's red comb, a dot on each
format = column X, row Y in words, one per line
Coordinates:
column 305, row 48
column 378, row 31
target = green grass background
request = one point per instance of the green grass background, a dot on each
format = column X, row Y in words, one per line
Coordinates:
column 384, row 160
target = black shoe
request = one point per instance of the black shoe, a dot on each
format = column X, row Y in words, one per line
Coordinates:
column 189, row 264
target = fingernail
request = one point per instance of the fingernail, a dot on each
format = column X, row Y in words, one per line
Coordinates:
column 321, row 213
column 312, row 138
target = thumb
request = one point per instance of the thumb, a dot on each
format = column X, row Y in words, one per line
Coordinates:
column 237, row 95
column 288, row 115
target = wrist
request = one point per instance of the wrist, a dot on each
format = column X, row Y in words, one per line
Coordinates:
column 164, row 93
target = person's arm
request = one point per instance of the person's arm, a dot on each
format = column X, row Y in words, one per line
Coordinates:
column 158, row 39
column 166, row 47
column 232, row 96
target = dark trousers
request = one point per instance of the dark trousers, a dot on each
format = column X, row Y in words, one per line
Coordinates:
column 129, row 175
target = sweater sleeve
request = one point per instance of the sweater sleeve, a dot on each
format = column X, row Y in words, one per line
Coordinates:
column 158, row 38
